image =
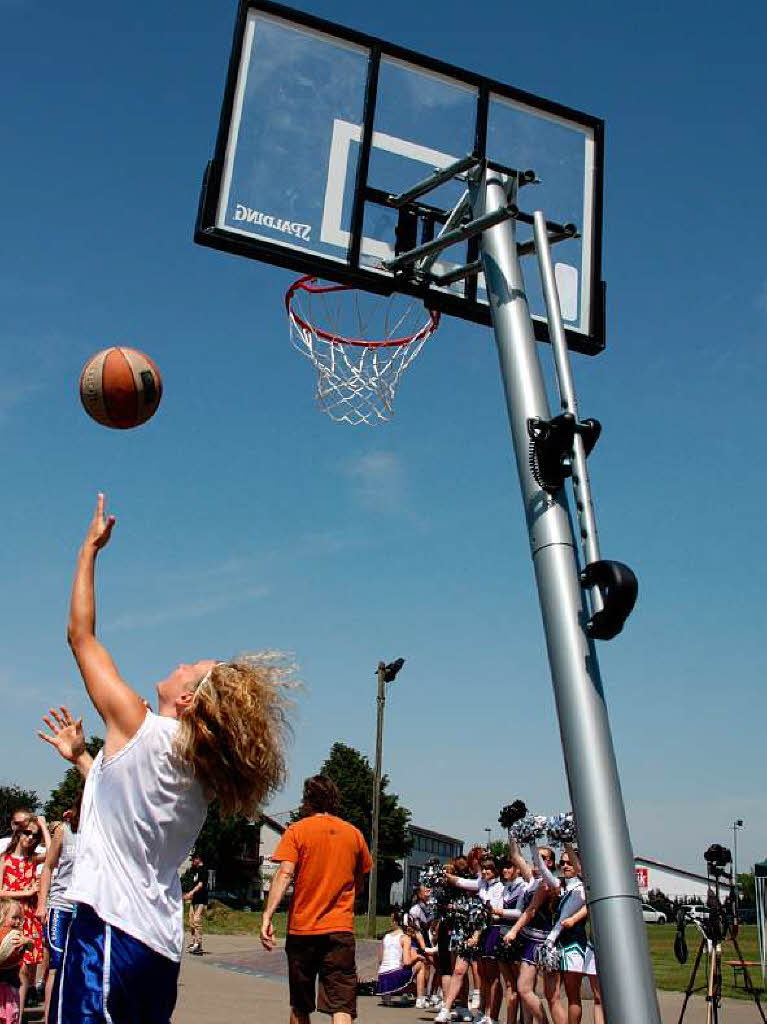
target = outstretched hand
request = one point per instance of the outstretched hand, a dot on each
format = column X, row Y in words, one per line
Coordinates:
column 100, row 529
column 66, row 734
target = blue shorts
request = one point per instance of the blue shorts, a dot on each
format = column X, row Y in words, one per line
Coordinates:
column 57, row 925
column 108, row 977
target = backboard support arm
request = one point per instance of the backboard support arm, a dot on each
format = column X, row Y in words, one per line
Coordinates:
column 621, row 942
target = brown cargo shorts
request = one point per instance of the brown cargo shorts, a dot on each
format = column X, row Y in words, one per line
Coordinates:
column 328, row 959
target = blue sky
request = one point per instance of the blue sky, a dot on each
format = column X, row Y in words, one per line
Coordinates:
column 246, row 519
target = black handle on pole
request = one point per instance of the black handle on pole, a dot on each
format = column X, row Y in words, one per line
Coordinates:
column 619, row 587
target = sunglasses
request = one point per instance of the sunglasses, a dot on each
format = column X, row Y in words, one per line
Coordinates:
column 28, row 832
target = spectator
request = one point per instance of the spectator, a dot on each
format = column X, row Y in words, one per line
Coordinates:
column 197, row 898
column 326, row 859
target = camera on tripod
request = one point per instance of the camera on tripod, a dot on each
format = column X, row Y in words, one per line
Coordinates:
column 721, row 922
column 717, row 858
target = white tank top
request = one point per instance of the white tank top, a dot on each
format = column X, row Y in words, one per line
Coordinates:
column 58, row 898
column 141, row 813
column 391, row 958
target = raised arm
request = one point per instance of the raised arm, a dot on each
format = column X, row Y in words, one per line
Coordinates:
column 516, row 855
column 120, row 707
column 67, row 736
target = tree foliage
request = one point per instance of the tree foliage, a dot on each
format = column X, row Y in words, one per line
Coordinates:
column 11, row 799
column 352, row 773
column 229, row 847
column 747, row 889
column 66, row 794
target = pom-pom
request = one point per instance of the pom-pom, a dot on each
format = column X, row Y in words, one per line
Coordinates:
column 529, row 829
column 547, row 957
column 561, row 828
column 512, row 813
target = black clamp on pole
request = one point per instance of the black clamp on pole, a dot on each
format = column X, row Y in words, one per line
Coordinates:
column 619, row 588
column 551, row 445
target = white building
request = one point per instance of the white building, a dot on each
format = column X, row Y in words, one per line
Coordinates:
column 676, row 883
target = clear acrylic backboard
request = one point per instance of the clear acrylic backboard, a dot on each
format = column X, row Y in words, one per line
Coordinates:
column 321, row 126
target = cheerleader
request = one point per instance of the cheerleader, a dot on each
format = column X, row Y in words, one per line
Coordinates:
column 481, row 945
column 514, row 887
column 399, row 964
column 569, row 931
column 533, row 927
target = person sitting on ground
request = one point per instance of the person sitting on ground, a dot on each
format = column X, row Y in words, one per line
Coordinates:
column 399, row 965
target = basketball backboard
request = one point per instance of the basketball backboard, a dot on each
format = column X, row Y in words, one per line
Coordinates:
column 322, row 126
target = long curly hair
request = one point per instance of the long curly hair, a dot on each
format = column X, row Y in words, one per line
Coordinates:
column 234, row 734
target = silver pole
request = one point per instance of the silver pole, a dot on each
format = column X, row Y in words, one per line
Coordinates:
column 619, row 931
column 581, row 485
column 373, row 886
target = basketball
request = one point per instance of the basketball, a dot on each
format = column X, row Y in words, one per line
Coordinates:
column 8, row 937
column 120, row 388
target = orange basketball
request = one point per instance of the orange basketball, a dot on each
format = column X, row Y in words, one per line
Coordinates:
column 120, row 388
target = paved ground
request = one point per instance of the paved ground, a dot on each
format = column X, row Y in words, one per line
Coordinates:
column 238, row 982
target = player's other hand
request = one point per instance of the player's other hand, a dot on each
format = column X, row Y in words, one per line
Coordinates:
column 66, row 734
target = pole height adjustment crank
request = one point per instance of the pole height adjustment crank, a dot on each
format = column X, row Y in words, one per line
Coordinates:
column 551, row 447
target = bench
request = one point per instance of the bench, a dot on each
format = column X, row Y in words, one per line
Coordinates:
column 739, row 967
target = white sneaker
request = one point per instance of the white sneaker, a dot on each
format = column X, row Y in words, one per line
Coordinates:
column 436, row 1002
column 443, row 1016
column 474, row 1004
column 421, row 1003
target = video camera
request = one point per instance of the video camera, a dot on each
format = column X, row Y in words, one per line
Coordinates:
column 722, row 916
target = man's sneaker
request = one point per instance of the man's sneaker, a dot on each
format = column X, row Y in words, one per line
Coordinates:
column 421, row 1003
column 464, row 1013
column 474, row 1004
column 443, row 1016
column 436, row 1002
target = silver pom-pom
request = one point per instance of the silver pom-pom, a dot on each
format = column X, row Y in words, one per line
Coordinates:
column 547, row 957
column 529, row 829
column 561, row 828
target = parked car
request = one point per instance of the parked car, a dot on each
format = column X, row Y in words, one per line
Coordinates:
column 651, row 915
column 696, row 911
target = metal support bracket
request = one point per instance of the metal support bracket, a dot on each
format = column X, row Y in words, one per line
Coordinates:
column 619, row 588
column 444, row 241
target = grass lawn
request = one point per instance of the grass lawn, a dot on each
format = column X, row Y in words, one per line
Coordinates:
column 669, row 974
column 220, row 920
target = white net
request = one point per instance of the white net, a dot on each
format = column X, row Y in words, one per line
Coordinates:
column 360, row 344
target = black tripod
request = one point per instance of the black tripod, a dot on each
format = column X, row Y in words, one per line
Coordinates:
column 721, row 921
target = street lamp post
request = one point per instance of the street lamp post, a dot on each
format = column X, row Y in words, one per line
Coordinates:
column 738, row 823
column 385, row 674
column 488, row 838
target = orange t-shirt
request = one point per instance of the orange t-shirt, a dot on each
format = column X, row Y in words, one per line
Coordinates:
column 329, row 855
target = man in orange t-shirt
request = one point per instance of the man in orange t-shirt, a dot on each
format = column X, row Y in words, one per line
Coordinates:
column 326, row 859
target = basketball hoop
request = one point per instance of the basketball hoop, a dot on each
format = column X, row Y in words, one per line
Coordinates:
column 357, row 376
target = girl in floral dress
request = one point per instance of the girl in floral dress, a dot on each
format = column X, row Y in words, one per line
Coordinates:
column 18, row 881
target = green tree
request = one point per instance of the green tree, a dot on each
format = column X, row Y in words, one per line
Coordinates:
column 352, row 773
column 747, row 889
column 66, row 794
column 230, row 847
column 11, row 799
column 498, row 848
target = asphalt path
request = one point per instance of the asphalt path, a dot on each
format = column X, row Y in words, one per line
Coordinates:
column 238, row 982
